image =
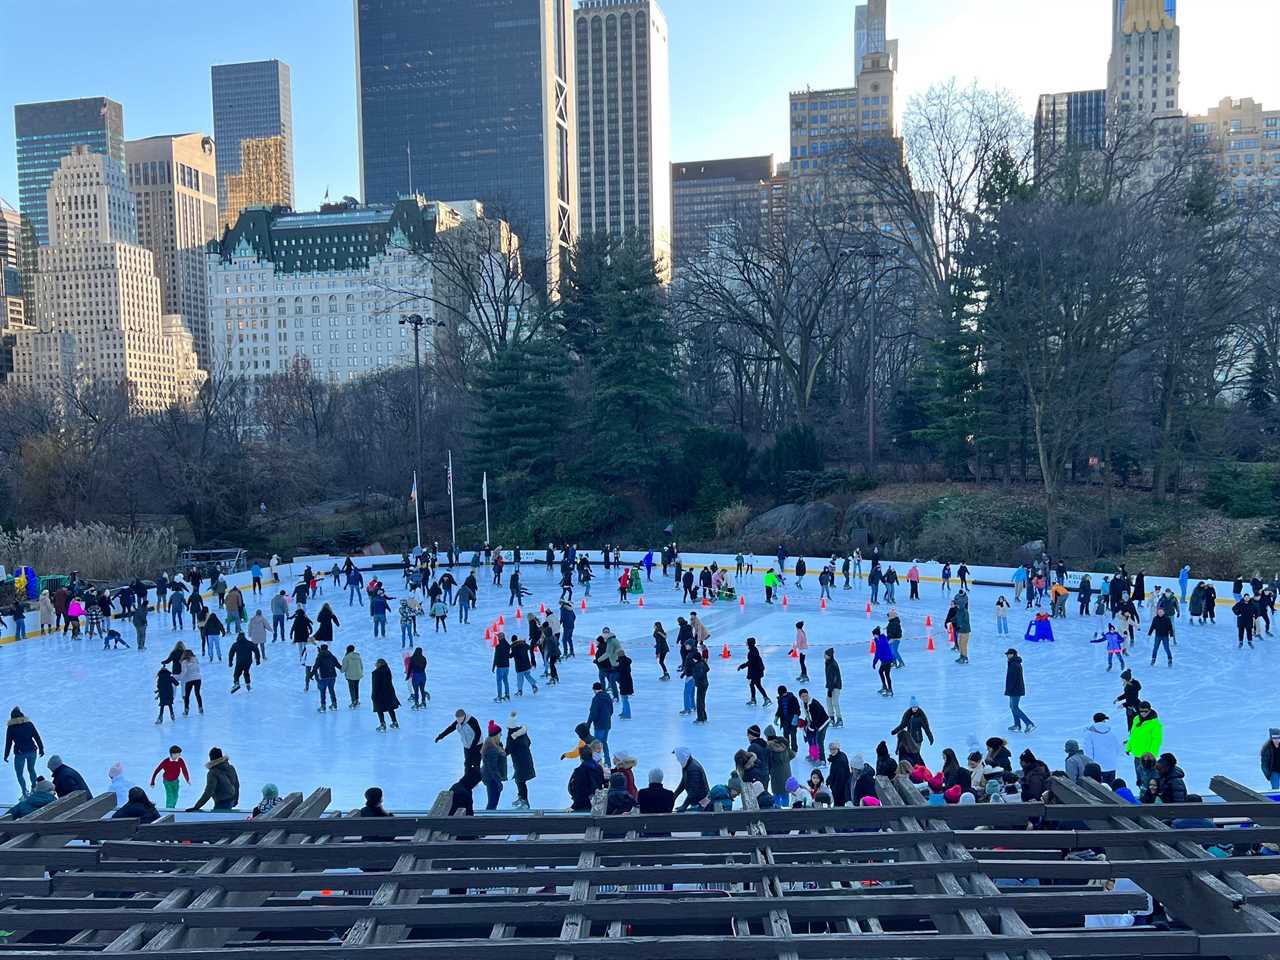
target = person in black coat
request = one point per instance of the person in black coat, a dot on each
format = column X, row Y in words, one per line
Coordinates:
column 701, row 673
column 655, row 798
column 1015, row 688
column 756, row 743
column 619, row 800
column 520, row 753
column 242, row 655
column 916, row 722
column 382, row 694
column 66, row 779
column 754, row 666
column 1035, row 777
column 586, row 779
column 138, row 806
column 787, row 714
column 834, row 684
column 886, row 766
column 461, row 793
column 325, row 670
column 864, row 782
column 839, row 778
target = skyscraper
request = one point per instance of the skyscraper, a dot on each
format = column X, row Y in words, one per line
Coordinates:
column 11, row 307
column 98, row 315
column 253, row 127
column 471, row 100
column 870, row 31
column 1068, row 121
column 1143, row 73
column 47, row 132
column 174, row 186
column 709, row 193
column 624, row 121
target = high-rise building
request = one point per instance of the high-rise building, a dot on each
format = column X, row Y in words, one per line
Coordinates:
column 1143, row 72
column 174, row 184
column 624, row 121
column 47, row 132
column 11, row 306
column 472, row 100
column 1244, row 140
column 1065, row 122
column 253, row 127
column 710, row 193
column 98, row 314
column 327, row 288
column 870, row 32
column 1119, row 7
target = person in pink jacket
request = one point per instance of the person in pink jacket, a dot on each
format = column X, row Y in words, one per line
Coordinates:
column 802, row 647
column 913, row 578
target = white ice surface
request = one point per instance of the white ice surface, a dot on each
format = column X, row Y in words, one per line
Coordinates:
column 95, row 707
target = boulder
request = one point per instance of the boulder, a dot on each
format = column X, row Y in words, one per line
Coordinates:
column 808, row 527
column 873, row 520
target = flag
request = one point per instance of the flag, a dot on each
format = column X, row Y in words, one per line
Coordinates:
column 484, row 485
column 449, row 476
column 413, row 490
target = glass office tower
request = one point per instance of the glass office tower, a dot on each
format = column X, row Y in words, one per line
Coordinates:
column 253, row 128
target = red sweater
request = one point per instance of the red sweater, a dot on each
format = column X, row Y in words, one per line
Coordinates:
column 171, row 769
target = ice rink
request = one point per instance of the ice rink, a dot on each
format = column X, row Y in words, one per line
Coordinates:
column 94, row 707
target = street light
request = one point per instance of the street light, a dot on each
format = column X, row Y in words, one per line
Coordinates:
column 417, row 321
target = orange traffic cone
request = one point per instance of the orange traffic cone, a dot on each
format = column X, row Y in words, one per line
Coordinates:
column 823, row 604
column 871, row 648
column 928, row 620
column 930, row 647
column 951, row 634
column 868, row 608
column 706, row 601
column 542, row 609
column 724, row 654
column 642, row 603
column 784, row 601
column 591, row 649
column 519, row 613
column 584, row 604
column 502, row 621
column 793, row 655
column 488, row 633
column 742, row 601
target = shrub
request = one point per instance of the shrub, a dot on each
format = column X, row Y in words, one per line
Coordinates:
column 1242, row 490
column 96, row 550
column 566, row 513
column 976, row 529
column 731, row 520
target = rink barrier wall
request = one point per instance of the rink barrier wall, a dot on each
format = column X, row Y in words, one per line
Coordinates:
column 930, row 572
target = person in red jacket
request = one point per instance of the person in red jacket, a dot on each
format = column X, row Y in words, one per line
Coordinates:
column 172, row 767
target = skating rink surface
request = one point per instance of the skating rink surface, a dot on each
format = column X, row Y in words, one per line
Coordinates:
column 95, row 707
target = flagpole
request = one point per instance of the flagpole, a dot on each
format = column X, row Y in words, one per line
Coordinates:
column 417, row 513
column 484, row 488
column 453, row 524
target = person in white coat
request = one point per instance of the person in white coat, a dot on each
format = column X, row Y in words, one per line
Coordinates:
column 1102, row 744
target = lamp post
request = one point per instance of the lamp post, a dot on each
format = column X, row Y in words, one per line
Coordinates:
column 417, row 322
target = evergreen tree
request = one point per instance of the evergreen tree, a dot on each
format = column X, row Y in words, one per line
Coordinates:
column 615, row 321
column 1257, row 393
column 521, row 402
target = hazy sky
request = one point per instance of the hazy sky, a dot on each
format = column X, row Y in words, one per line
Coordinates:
column 732, row 63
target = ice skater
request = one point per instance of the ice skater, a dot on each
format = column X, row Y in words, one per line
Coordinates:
column 1115, row 645
column 415, row 671
column 241, row 657
column 754, row 665
column 165, row 687
column 173, row 769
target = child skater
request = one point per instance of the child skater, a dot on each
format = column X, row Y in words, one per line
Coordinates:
column 166, row 683
column 172, row 767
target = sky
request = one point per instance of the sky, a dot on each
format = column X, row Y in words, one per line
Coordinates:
column 733, row 63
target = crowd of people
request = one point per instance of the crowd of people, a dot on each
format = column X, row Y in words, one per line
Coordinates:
column 790, row 758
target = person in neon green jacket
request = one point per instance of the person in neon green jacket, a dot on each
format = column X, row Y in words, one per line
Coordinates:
column 1146, row 734
column 770, row 585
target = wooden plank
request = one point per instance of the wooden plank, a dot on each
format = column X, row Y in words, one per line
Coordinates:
column 366, row 929
column 1197, row 896
column 503, row 930
column 577, row 925
column 1106, row 943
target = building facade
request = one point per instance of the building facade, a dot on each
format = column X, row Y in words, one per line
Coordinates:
column 253, row 118
column 1068, row 122
column 624, row 121
column 12, row 310
column 1143, row 74
column 1244, row 141
column 327, row 288
column 709, row 193
column 472, row 100
column 98, row 304
column 173, row 180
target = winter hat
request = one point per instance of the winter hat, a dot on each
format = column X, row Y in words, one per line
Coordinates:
column 494, row 729
column 1126, row 674
column 1274, row 733
column 1071, row 746
column 373, row 795
column 869, row 802
column 1100, row 717
column 1011, row 650
column 994, row 787
column 914, row 702
column 55, row 762
column 857, row 762
column 792, row 784
column 655, row 775
column 919, row 774
column 952, row 794
column 270, row 791
column 117, row 769
column 936, row 783
column 753, row 731
column 769, row 732
column 682, row 755
column 967, row 798
column 43, row 785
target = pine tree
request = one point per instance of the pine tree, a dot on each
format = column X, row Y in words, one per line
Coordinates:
column 522, row 399
column 1257, row 394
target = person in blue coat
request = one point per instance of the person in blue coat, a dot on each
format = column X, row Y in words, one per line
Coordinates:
column 66, row 779
column 1184, row 575
column 600, row 717
column 882, row 661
